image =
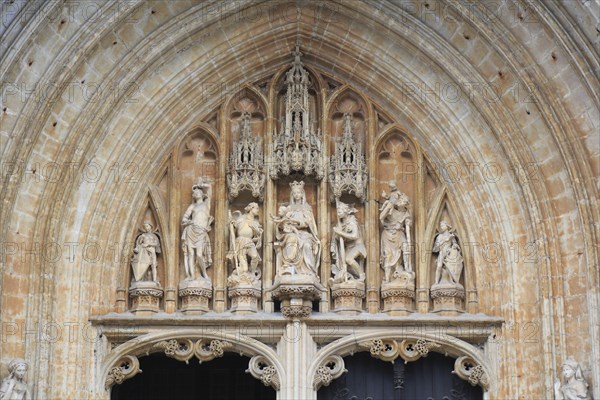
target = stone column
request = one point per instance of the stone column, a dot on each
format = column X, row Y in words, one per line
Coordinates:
column 297, row 350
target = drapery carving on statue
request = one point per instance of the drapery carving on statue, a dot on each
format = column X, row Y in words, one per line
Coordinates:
column 396, row 221
column 331, row 368
column 573, row 386
column 449, row 264
column 245, row 240
column 298, row 248
column 196, row 222
column 347, row 246
column 144, row 259
column 14, row 386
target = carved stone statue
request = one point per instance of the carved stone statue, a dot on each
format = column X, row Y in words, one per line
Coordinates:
column 13, row 386
column 347, row 246
column 246, row 233
column 395, row 238
column 574, row 387
column 298, row 247
column 450, row 261
column 147, row 245
column 196, row 224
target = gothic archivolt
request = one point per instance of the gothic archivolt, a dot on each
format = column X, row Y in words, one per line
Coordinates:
column 325, row 205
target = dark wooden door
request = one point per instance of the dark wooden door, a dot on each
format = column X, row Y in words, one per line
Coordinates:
column 220, row 379
column 428, row 378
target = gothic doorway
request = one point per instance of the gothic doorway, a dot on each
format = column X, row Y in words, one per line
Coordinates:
column 165, row 378
column 426, row 378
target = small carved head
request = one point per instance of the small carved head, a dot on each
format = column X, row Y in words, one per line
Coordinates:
column 252, row 207
column 147, row 226
column 444, row 226
column 18, row 368
column 571, row 368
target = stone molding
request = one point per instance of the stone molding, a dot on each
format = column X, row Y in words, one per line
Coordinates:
column 122, row 362
column 471, row 363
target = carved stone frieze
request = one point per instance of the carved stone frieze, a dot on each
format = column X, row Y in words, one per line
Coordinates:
column 246, row 163
column 298, row 147
column 185, row 349
column 260, row 368
column 467, row 368
column 348, row 170
column 126, row 367
column 409, row 349
column 331, row 368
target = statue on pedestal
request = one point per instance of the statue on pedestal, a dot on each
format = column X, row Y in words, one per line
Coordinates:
column 13, row 386
column 574, row 387
column 143, row 262
column 449, row 263
column 347, row 246
column 245, row 234
column 395, row 238
column 298, row 246
column 196, row 223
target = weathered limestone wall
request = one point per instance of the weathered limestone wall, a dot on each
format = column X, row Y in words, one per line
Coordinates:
column 94, row 95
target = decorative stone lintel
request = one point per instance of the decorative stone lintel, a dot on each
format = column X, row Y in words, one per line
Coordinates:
column 398, row 297
column 195, row 295
column 244, row 298
column 470, row 370
column 448, row 299
column 348, row 297
column 331, row 368
column 296, row 293
column 145, row 297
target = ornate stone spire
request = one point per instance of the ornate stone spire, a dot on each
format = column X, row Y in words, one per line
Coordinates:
column 297, row 147
column 245, row 168
column 348, row 171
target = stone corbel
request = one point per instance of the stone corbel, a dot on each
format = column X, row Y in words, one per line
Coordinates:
column 126, row 367
column 408, row 350
column 185, row 349
column 470, row 370
column 260, row 368
column 331, row 368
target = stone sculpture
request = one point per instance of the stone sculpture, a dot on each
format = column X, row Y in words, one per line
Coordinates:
column 246, row 240
column 347, row 246
column 395, row 238
column 447, row 292
column 143, row 262
column 14, row 386
column 298, row 247
column 196, row 223
column 449, row 264
column 573, row 387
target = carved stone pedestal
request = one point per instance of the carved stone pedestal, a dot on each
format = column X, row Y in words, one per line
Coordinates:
column 244, row 298
column 448, row 298
column 296, row 293
column 145, row 297
column 399, row 295
column 195, row 296
column 348, row 297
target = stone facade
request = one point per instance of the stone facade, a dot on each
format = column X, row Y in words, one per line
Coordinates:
column 484, row 115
